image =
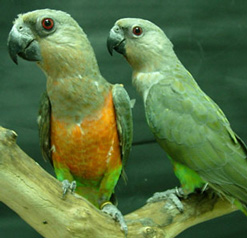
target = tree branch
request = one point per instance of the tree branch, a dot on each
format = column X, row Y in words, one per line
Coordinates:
column 36, row 196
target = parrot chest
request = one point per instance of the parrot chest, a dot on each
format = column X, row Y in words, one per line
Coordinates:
column 75, row 98
column 88, row 148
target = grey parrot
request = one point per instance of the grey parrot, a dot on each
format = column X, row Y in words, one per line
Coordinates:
column 188, row 125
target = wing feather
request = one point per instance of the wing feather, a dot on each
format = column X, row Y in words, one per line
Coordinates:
column 44, row 127
column 195, row 132
column 122, row 104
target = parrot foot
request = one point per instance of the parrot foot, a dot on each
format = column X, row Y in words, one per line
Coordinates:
column 113, row 211
column 68, row 186
column 171, row 195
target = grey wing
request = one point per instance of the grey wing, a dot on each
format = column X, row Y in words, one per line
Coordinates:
column 195, row 132
column 122, row 105
column 44, row 127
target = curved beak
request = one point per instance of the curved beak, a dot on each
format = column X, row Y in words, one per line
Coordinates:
column 21, row 42
column 116, row 40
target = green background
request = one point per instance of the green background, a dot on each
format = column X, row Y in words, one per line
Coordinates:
column 210, row 38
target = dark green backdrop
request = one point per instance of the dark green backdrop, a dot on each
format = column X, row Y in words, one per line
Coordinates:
column 210, row 38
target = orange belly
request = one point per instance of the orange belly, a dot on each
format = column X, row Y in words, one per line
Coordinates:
column 89, row 149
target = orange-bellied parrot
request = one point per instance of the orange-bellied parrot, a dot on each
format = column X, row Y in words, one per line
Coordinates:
column 85, row 122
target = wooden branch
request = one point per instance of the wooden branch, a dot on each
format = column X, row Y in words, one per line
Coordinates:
column 36, row 196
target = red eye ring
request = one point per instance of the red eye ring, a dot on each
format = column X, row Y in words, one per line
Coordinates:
column 137, row 30
column 47, row 23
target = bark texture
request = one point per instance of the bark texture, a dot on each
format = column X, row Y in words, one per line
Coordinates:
column 37, row 197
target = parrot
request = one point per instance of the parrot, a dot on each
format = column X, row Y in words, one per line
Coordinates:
column 189, row 126
column 85, row 123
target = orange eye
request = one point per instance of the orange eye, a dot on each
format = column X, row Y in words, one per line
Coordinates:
column 47, row 23
column 137, row 30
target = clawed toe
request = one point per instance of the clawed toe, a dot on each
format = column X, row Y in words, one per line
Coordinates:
column 113, row 211
column 67, row 186
column 172, row 194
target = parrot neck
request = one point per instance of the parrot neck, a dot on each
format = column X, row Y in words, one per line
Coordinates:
column 75, row 98
column 151, row 59
column 144, row 81
column 61, row 61
column 145, row 77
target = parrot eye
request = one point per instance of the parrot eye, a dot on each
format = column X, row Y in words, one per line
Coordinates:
column 47, row 23
column 137, row 30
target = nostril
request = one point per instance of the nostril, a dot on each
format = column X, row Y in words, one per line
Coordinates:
column 20, row 28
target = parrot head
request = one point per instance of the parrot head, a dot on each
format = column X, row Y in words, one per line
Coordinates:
column 51, row 38
column 140, row 41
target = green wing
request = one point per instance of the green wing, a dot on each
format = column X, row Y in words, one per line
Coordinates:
column 123, row 111
column 44, row 126
column 195, row 133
